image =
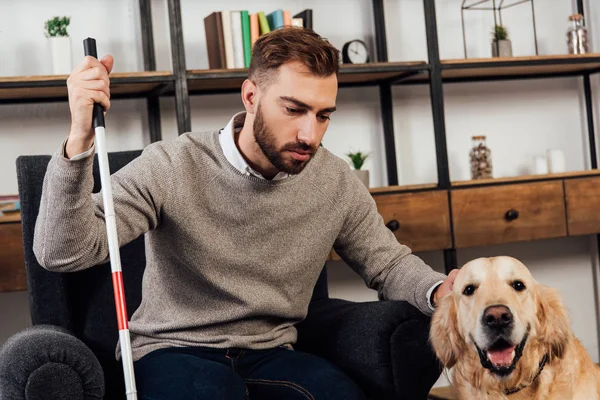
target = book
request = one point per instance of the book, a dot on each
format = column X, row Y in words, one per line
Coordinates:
column 254, row 28
column 215, row 44
column 246, row 37
column 227, row 39
column 298, row 22
column 287, row 18
column 263, row 23
column 238, row 39
column 307, row 18
column 275, row 19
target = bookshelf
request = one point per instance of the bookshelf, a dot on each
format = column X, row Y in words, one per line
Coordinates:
column 181, row 83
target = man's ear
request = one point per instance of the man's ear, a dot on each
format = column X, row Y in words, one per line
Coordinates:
column 444, row 337
column 249, row 96
column 554, row 331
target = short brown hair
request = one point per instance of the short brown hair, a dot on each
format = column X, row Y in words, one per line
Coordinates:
column 284, row 45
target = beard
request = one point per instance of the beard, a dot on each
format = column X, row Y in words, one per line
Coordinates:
column 265, row 138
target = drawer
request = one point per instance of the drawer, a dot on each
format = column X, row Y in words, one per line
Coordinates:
column 583, row 205
column 419, row 220
column 509, row 213
column 12, row 261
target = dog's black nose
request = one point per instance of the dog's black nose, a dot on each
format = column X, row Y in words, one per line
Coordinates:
column 497, row 317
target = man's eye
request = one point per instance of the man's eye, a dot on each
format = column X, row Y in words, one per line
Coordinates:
column 324, row 118
column 292, row 110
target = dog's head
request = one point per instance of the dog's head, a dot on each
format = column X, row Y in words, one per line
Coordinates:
column 498, row 316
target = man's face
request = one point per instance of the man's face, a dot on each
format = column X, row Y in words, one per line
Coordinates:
column 292, row 116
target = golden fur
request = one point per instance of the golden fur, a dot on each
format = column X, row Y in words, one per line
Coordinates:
column 569, row 372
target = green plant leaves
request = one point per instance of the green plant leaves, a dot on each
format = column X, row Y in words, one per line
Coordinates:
column 57, row 26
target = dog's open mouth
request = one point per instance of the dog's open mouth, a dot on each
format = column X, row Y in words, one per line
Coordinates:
column 502, row 356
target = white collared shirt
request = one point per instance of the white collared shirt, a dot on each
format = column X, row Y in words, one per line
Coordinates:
column 231, row 151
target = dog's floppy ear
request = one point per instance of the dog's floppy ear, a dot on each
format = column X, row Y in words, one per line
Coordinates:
column 554, row 331
column 444, row 336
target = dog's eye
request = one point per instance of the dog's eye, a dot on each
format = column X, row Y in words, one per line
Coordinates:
column 469, row 290
column 518, row 286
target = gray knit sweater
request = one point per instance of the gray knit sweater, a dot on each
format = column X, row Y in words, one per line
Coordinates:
column 231, row 259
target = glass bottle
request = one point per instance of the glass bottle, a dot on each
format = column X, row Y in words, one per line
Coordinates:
column 577, row 35
column 481, row 158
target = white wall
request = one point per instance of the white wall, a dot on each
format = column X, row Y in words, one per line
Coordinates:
column 520, row 118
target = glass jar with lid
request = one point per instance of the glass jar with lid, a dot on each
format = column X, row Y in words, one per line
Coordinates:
column 481, row 158
column 577, row 35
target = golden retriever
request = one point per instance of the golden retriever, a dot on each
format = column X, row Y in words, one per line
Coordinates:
column 505, row 336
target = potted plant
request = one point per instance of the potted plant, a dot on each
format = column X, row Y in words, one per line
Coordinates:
column 60, row 44
column 501, row 45
column 358, row 159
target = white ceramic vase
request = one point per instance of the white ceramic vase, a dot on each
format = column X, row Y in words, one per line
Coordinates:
column 363, row 175
column 60, row 50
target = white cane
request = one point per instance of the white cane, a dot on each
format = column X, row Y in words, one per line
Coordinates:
column 89, row 47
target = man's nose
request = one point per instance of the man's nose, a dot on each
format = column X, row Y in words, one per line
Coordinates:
column 309, row 133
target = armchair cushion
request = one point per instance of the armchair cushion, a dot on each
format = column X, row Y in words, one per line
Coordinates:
column 382, row 345
column 47, row 362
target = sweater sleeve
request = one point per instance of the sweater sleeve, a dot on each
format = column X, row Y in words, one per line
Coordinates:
column 372, row 250
column 70, row 231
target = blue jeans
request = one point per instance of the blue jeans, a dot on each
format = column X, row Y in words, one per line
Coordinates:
column 201, row 373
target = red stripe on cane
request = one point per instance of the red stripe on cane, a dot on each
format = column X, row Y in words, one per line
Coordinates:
column 120, row 300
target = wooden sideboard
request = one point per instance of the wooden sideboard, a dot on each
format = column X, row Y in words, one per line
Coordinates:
column 469, row 214
column 493, row 212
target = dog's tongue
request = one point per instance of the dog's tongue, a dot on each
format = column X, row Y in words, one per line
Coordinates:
column 502, row 357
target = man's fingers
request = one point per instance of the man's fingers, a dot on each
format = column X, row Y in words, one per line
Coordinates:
column 97, row 72
column 102, row 98
column 108, row 62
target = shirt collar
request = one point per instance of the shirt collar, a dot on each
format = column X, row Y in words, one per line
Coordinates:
column 231, row 151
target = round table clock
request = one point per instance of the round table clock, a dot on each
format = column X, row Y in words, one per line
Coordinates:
column 355, row 52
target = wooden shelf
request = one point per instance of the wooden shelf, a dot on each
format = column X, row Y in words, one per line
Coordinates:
column 15, row 89
column 525, row 178
column 229, row 80
column 519, row 67
column 490, row 69
column 403, row 188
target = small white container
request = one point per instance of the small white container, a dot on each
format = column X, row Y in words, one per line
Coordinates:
column 540, row 165
column 556, row 161
column 60, row 51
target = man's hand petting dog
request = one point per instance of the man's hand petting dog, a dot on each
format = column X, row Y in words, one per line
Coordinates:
column 445, row 288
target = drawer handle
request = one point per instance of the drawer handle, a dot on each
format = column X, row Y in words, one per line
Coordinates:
column 511, row 215
column 393, row 225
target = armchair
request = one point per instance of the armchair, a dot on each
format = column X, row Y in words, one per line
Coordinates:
column 68, row 353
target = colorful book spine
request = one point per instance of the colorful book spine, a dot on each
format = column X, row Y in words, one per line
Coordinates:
column 246, row 39
column 228, row 39
column 287, row 18
column 238, row 39
column 264, row 24
column 254, row 28
column 275, row 19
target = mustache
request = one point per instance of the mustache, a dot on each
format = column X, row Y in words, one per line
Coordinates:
column 300, row 147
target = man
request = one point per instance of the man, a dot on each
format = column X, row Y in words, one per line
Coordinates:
column 238, row 225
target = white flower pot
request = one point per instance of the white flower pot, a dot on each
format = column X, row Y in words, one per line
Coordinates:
column 503, row 46
column 60, row 51
column 363, row 175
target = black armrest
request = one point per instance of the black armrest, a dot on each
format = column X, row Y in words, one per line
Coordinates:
column 47, row 362
column 382, row 345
